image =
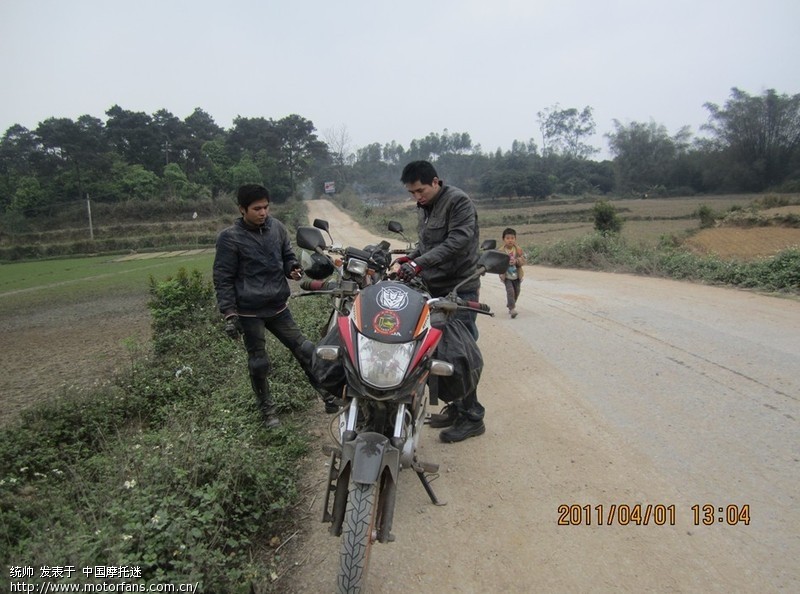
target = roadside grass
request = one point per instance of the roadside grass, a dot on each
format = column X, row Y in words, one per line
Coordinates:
column 596, row 251
column 167, row 469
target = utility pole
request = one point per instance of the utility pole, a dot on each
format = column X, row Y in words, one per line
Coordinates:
column 89, row 211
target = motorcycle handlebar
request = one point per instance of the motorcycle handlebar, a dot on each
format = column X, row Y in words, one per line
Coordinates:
column 317, row 285
column 476, row 305
column 447, row 304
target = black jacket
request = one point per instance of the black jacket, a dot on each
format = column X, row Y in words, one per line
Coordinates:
column 448, row 242
column 251, row 267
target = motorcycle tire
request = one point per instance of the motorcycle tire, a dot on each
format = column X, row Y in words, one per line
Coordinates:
column 358, row 534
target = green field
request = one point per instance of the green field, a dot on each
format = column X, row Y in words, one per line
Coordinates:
column 30, row 285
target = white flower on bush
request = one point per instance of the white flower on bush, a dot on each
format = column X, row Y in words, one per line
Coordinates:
column 129, row 484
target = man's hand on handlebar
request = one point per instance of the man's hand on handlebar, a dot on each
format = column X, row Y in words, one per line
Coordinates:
column 408, row 269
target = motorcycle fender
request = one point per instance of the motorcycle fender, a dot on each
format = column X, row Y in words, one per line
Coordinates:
column 371, row 453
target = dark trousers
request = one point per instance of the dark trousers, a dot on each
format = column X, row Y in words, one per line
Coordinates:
column 469, row 317
column 468, row 405
column 285, row 329
column 513, row 288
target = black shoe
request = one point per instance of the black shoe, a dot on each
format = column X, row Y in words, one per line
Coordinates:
column 331, row 407
column 462, row 429
column 444, row 418
column 269, row 418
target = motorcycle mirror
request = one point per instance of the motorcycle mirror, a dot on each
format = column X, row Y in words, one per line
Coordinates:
column 321, row 224
column 488, row 244
column 395, row 227
column 310, row 238
column 493, row 261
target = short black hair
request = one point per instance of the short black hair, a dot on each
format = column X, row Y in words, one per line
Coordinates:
column 418, row 171
column 249, row 193
column 509, row 231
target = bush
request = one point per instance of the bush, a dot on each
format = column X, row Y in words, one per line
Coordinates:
column 706, row 215
column 606, row 219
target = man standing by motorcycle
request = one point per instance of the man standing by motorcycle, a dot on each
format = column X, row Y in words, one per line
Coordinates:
column 447, row 253
column 253, row 261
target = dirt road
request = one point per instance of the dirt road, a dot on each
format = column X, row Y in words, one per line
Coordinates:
column 607, row 391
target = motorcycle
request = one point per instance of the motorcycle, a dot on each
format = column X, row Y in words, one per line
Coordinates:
column 382, row 339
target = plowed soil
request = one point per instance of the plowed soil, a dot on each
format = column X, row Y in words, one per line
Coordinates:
column 745, row 244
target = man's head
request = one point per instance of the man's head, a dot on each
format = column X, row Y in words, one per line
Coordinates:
column 421, row 181
column 509, row 236
column 253, row 202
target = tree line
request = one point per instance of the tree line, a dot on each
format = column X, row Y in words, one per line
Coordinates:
column 752, row 144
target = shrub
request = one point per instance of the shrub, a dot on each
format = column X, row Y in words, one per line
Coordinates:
column 606, row 219
column 706, row 215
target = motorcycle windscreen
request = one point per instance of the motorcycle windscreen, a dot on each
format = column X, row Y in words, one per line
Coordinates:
column 391, row 312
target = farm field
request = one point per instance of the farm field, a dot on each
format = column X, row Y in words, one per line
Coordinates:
column 646, row 221
column 735, row 242
column 67, row 324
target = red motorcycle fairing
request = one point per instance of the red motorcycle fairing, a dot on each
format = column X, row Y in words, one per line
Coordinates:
column 392, row 313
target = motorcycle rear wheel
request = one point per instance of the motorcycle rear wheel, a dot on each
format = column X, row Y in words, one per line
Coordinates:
column 358, row 534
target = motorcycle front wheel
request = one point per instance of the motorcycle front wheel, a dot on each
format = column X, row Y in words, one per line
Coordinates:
column 358, row 534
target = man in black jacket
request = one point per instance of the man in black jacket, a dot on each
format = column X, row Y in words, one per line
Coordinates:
column 253, row 261
column 446, row 254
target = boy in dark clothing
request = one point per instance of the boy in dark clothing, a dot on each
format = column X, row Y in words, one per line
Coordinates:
column 253, row 261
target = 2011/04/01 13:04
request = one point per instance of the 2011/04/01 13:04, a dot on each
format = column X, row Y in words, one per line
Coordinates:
column 643, row 514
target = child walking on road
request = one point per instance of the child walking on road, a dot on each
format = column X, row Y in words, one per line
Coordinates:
column 513, row 276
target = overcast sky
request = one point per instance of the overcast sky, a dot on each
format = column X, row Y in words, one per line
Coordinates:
column 395, row 70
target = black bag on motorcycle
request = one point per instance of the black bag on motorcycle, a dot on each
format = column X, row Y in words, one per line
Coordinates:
column 458, row 347
column 330, row 374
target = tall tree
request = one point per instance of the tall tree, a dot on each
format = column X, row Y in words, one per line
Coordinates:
column 135, row 137
column 252, row 135
column 300, row 149
column 565, row 131
column 78, row 150
column 645, row 155
column 172, row 135
column 759, row 136
column 200, row 128
column 18, row 150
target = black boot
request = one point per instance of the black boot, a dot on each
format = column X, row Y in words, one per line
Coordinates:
column 264, row 401
column 444, row 418
column 469, row 421
column 463, row 428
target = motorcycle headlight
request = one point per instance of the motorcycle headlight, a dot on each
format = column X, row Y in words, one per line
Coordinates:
column 356, row 266
column 383, row 365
